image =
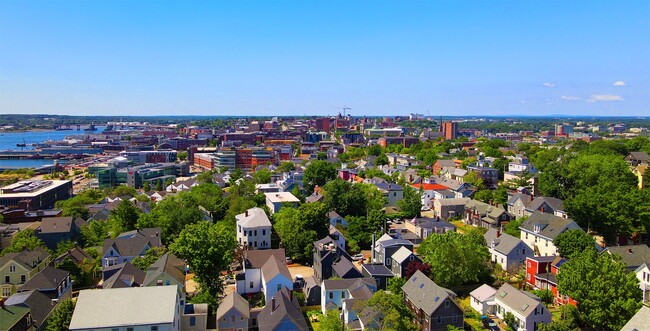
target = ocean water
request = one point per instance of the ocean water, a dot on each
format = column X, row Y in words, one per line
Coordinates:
column 9, row 140
column 27, row 163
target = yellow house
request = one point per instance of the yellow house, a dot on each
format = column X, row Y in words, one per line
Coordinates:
column 640, row 172
column 168, row 270
column 18, row 268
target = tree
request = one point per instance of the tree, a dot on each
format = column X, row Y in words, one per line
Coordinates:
column 411, row 204
column 510, row 321
column 375, row 150
column 396, row 316
column 236, row 175
column 569, row 322
column 94, row 233
column 149, row 258
column 573, row 241
column 299, row 227
column 381, row 160
column 331, row 321
column 182, row 156
column 473, row 178
column 318, row 172
column 159, row 185
column 286, row 166
column 607, row 294
column 146, row 186
column 512, row 228
column 395, row 285
column 126, row 215
column 204, row 177
column 210, row 197
column 416, row 265
column 321, row 156
column 483, row 195
column 456, row 259
column 25, row 239
column 208, row 249
column 171, row 215
column 60, row 318
column 262, row 176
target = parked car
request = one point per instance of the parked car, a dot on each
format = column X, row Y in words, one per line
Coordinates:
column 289, row 260
column 490, row 324
column 229, row 279
column 358, row 257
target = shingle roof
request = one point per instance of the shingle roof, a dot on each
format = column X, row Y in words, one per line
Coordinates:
column 257, row 258
column 551, row 225
column 49, row 278
column 425, row 294
column 77, row 254
column 274, row 267
column 641, row 156
column 153, row 234
column 126, row 246
column 11, row 315
column 632, row 255
column 522, row 302
column 127, row 276
column 344, row 268
column 270, row 317
column 26, row 258
column 401, row 254
column 504, row 244
column 525, row 199
column 233, row 300
column 254, row 217
column 39, row 304
column 554, row 203
column 352, row 285
column 168, row 264
column 57, row 224
column 377, row 270
column 454, row 201
column 483, row 293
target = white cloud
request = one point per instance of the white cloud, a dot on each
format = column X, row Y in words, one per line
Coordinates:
column 604, row 98
column 619, row 83
column 548, row 84
column 570, row 98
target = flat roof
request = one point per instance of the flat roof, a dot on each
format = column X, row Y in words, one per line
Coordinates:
column 131, row 306
column 281, row 197
column 38, row 189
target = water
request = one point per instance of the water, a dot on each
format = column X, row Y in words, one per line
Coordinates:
column 8, row 140
column 27, row 163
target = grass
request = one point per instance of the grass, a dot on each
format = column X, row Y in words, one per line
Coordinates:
column 462, row 227
column 471, row 315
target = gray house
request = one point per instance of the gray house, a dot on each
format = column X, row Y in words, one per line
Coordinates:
column 233, row 313
column 400, row 261
column 386, row 246
column 433, row 306
column 54, row 230
column 508, row 251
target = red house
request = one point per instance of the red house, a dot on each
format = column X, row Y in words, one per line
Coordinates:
column 541, row 273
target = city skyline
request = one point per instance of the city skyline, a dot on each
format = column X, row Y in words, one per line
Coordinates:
column 468, row 58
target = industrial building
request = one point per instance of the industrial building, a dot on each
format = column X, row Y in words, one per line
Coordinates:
column 35, row 194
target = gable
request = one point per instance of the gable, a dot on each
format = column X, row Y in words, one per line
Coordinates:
column 115, row 253
column 9, row 263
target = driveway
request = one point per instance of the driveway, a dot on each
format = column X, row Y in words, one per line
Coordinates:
column 297, row 269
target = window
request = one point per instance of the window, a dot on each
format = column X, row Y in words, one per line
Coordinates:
column 343, row 295
column 239, row 228
column 245, row 232
column 447, row 303
column 12, row 268
column 454, row 318
column 279, row 287
column 255, row 233
column 528, row 261
column 129, row 329
column 331, row 295
column 523, row 251
column 439, row 321
column 263, row 232
column 7, row 279
column 23, row 278
column 192, row 320
column 6, row 292
column 388, row 261
column 251, row 285
column 154, row 328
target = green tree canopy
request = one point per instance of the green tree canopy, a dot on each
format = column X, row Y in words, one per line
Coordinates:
column 262, row 176
column 573, row 241
column 607, row 294
column 126, row 215
column 456, row 259
column 396, row 316
column 411, row 204
column 150, row 257
column 171, row 215
column 299, row 227
column 25, row 239
column 318, row 172
column 59, row 319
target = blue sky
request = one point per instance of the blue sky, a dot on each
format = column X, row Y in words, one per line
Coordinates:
column 311, row 57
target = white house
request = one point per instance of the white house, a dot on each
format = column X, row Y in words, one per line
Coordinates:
column 540, row 229
column 275, row 200
column 643, row 275
column 131, row 308
column 338, row 237
column 508, row 251
column 343, row 293
column 254, row 229
column 275, row 275
column 482, row 299
column 120, row 250
column 528, row 310
column 263, row 271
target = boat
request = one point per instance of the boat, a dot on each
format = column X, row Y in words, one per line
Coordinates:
column 22, row 145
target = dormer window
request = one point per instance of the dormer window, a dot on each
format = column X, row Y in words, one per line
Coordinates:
column 537, row 228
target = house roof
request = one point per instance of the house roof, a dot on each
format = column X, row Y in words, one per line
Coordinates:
column 523, row 303
column 484, row 292
column 638, row 322
column 77, row 254
column 11, row 315
column 169, row 264
column 333, row 214
column 233, row 300
column 454, row 201
column 550, row 225
column 128, row 306
column 282, row 197
column 632, row 255
column 554, row 203
column 26, row 258
column 359, row 286
column 127, row 276
column 377, row 270
column 58, row 224
column 504, row 244
column 401, row 254
column 425, row 294
column 274, row 267
column 525, row 199
column 640, row 156
column 153, row 234
column 445, row 163
column 257, row 258
column 286, row 307
column 430, row 187
column 388, row 187
column 254, row 217
column 344, row 268
column 126, row 246
column 314, row 197
column 48, row 278
column 39, row 304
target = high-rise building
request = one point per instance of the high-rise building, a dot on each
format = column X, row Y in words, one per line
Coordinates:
column 323, row 124
column 449, row 130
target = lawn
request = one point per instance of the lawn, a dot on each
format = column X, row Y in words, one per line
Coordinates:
column 462, row 227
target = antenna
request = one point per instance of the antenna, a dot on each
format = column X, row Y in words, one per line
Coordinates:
column 344, row 109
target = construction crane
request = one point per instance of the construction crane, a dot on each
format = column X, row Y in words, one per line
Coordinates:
column 344, row 109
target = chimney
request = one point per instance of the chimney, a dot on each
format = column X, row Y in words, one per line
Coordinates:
column 629, row 250
column 490, row 202
column 543, row 209
column 498, row 233
column 290, row 295
column 246, row 212
column 372, row 249
column 2, row 303
column 273, row 304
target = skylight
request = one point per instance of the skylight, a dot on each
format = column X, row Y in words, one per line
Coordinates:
column 503, row 294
